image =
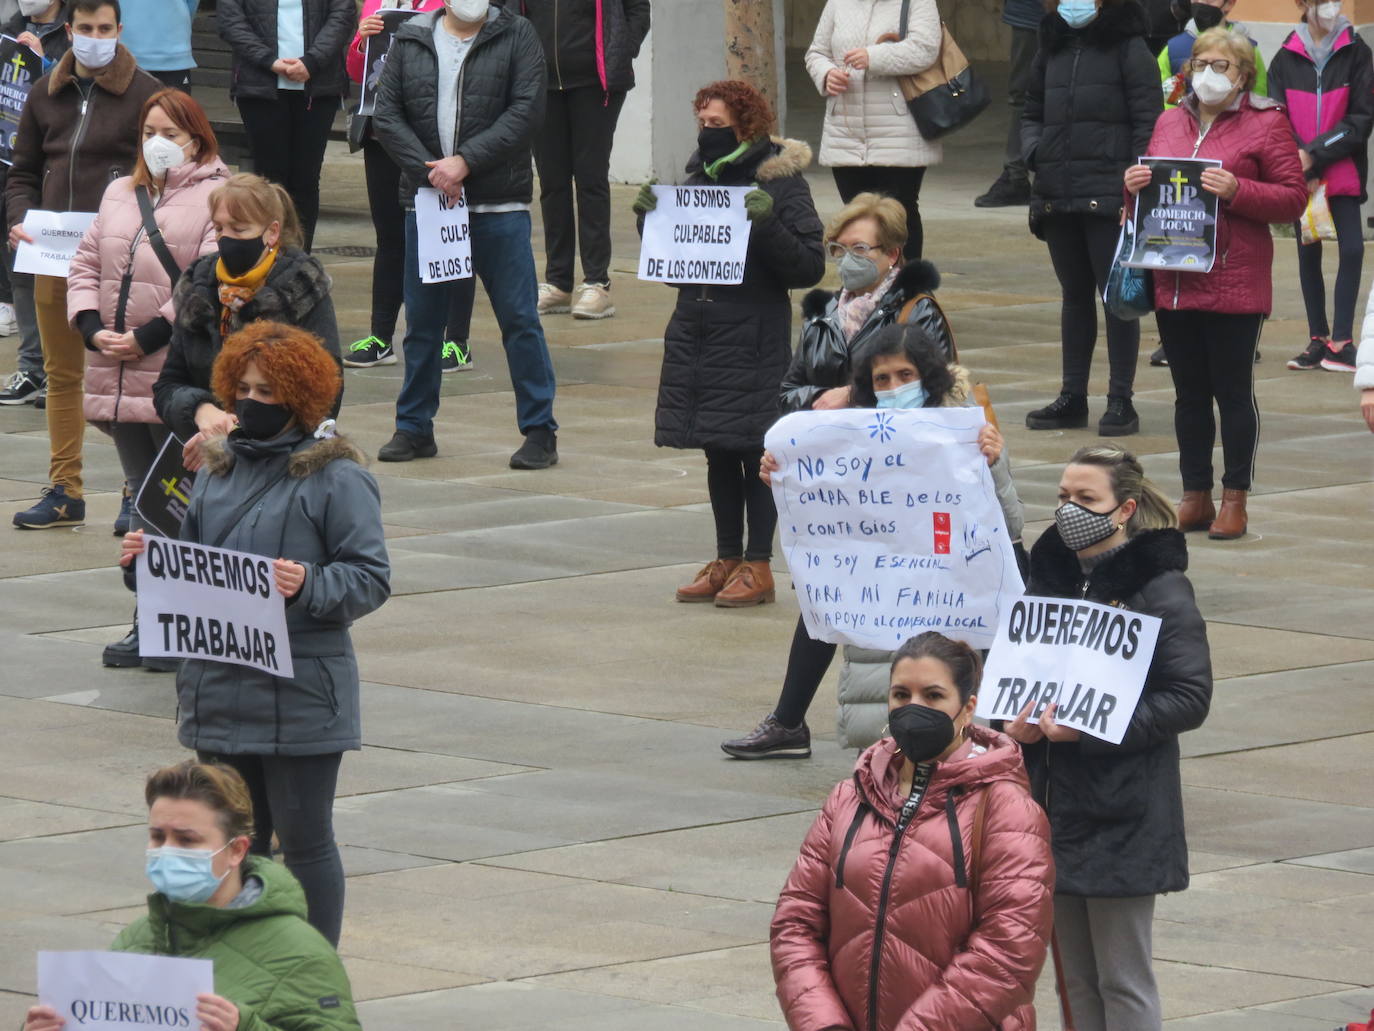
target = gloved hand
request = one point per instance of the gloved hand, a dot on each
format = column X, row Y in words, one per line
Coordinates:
column 646, row 200
column 758, row 204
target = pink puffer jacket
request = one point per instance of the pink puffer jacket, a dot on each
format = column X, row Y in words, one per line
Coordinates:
column 123, row 391
column 860, row 906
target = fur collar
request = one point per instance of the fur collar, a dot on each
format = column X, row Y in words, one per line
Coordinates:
column 1113, row 26
column 115, row 77
column 1055, row 570
column 915, row 277
column 309, row 458
column 790, row 158
column 295, row 285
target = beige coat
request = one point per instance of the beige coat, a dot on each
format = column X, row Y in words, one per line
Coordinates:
column 869, row 123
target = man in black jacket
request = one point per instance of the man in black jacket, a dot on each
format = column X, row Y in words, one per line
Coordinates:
column 457, row 107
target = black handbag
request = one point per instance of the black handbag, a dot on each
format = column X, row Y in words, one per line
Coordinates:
column 947, row 95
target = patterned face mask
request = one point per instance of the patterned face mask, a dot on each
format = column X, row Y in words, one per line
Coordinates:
column 1081, row 527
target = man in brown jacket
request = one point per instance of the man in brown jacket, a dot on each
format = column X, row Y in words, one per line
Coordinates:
column 79, row 132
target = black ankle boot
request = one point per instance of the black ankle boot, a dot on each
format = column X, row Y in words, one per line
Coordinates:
column 1066, row 412
column 1119, row 420
column 124, row 652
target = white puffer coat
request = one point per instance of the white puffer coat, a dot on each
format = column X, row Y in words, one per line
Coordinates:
column 869, row 123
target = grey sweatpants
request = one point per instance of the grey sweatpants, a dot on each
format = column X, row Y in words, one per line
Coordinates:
column 1105, row 945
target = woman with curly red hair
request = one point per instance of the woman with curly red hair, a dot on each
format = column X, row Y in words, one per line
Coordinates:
column 284, row 485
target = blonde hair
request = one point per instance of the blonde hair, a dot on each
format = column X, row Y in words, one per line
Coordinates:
column 251, row 198
column 1235, row 45
column 886, row 212
column 1153, row 511
column 218, row 787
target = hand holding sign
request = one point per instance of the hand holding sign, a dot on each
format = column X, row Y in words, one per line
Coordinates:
column 115, row 991
column 696, row 234
column 216, row 1013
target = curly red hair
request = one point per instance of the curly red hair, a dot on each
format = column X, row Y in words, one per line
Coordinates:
column 752, row 114
column 304, row 376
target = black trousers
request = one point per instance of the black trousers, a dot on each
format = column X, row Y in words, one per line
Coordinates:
column 288, row 137
column 1212, row 358
column 902, row 183
column 574, row 147
column 737, row 494
column 293, row 795
column 807, row 664
column 1345, row 213
column 1023, row 46
column 389, row 266
column 1081, row 250
column 179, row 79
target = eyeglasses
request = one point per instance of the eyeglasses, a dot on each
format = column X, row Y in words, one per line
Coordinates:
column 1220, row 65
column 859, row 250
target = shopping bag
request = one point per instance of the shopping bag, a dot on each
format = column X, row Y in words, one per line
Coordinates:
column 1130, row 292
column 1316, row 220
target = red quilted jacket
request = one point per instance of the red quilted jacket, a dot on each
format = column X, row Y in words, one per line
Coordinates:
column 877, row 934
column 1254, row 143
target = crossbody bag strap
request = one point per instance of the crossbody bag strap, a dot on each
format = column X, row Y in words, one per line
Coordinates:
column 904, row 21
column 155, row 240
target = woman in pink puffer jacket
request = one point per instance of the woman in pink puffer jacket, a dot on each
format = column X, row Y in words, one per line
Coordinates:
column 908, row 908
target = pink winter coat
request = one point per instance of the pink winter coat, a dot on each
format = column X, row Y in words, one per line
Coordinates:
column 1255, row 144
column 859, row 905
column 358, row 48
column 123, row 391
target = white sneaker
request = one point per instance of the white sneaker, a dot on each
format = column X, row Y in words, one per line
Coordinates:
column 9, row 325
column 553, row 301
column 593, row 302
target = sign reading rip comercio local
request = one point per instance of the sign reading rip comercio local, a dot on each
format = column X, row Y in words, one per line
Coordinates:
column 1087, row 659
column 199, row 602
column 696, row 234
column 123, row 991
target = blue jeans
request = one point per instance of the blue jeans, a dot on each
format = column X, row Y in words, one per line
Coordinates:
column 503, row 259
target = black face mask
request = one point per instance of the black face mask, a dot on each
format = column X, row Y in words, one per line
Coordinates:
column 240, row 255
column 714, row 143
column 921, row 732
column 261, row 421
column 1205, row 16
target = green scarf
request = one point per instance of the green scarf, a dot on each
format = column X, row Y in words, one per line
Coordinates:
column 713, row 169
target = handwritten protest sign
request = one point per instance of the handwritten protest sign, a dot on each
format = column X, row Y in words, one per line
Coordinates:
column 56, row 235
column 891, row 525
column 445, row 240
column 20, row 68
column 374, row 56
column 166, row 490
column 1089, row 659
column 123, row 991
column 198, row 602
column 696, row 234
column 1176, row 219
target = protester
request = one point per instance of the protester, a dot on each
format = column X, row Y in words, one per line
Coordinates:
column 1012, row 187
column 85, row 114
column 869, row 140
column 383, row 177
column 215, row 900
column 287, row 80
column 1210, row 323
column 1173, row 59
column 460, row 102
column 1116, row 811
column 158, row 34
column 922, row 894
column 726, row 347
column 911, row 370
column 589, row 45
column 41, row 26
column 1092, row 101
column 258, row 271
column 277, row 486
column 1323, row 75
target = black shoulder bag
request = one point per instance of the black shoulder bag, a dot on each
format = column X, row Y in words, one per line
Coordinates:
column 160, row 248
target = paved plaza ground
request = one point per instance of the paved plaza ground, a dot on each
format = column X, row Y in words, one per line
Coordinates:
column 541, row 831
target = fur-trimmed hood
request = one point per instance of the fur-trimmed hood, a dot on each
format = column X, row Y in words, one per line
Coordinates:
column 1112, row 27
column 115, row 77
column 295, row 285
column 767, row 160
column 1055, row 570
column 308, row 457
column 915, row 277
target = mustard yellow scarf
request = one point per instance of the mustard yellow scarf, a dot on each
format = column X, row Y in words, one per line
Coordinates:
column 236, row 291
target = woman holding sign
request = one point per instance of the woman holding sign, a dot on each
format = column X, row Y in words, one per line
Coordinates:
column 279, row 487
column 1116, row 811
column 922, row 895
column 1210, row 322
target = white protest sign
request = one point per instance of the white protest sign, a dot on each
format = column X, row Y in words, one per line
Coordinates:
column 891, row 525
column 696, row 234
column 1089, row 659
column 199, row 602
column 56, row 235
column 123, row 991
column 444, row 237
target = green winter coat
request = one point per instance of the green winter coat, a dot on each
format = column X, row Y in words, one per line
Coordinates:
column 277, row 969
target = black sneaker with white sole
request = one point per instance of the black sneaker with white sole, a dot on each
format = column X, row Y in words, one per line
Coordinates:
column 1311, row 357
column 1340, row 359
column 771, row 740
column 22, row 388
column 1158, row 358
column 456, row 356
column 370, row 351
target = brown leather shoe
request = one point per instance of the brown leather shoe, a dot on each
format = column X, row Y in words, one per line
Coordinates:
column 1196, row 511
column 708, row 582
column 1230, row 522
column 750, row 584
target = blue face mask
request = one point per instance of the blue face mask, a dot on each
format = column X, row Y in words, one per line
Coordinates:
column 1077, row 13
column 912, row 395
column 184, row 874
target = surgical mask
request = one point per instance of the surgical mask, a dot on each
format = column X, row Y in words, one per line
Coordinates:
column 1326, row 14
column 1081, row 527
column 921, row 732
column 184, row 874
column 94, row 53
column 909, row 395
column 1077, row 13
column 259, row 420
column 1211, row 87
column 239, row 256
column 715, row 142
column 468, row 10
column 857, row 273
column 1205, row 16
column 33, row 8
column 162, row 155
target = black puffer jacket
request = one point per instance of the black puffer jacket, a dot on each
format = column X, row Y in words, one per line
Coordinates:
column 250, row 29
column 296, row 292
column 824, row 359
column 1116, row 811
column 1092, row 102
column 726, row 347
column 568, row 31
column 500, row 108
